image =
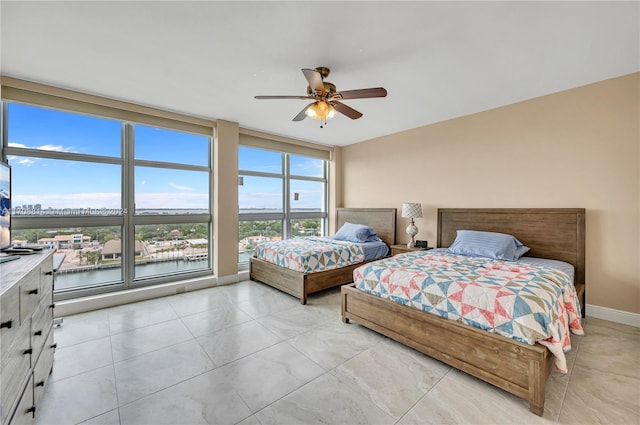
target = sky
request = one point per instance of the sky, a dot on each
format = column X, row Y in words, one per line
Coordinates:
column 59, row 184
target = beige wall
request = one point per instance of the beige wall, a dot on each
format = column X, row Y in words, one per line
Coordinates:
column 577, row 148
column 225, row 209
column 335, row 187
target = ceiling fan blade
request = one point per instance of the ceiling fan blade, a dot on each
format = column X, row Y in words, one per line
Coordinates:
column 346, row 110
column 315, row 80
column 301, row 115
column 283, row 97
column 361, row 93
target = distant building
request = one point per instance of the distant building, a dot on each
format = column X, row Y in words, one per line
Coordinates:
column 113, row 249
column 76, row 241
column 254, row 240
column 200, row 241
column 65, row 241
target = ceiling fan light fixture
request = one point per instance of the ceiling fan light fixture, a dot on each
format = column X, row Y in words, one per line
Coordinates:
column 320, row 110
column 327, row 101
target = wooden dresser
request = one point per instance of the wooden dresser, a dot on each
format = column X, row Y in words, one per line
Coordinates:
column 26, row 335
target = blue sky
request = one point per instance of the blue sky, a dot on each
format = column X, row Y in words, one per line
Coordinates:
column 78, row 184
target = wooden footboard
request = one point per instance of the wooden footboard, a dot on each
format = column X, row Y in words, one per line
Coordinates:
column 515, row 367
column 298, row 284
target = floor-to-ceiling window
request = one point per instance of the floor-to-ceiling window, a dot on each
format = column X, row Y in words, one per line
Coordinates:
column 128, row 204
column 280, row 195
column 172, row 175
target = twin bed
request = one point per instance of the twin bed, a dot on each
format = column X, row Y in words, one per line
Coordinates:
column 302, row 282
column 508, row 362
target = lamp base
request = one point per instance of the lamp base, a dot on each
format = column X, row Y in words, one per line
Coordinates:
column 412, row 231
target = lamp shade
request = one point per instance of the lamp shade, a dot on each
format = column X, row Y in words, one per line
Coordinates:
column 411, row 210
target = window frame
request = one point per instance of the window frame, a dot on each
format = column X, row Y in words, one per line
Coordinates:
column 286, row 216
column 127, row 220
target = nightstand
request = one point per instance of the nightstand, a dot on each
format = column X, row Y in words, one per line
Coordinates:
column 401, row 249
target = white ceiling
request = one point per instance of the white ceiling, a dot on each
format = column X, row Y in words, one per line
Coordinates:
column 438, row 60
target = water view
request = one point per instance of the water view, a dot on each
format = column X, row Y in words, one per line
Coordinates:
column 79, row 278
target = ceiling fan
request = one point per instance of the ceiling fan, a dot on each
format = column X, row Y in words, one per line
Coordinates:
column 326, row 99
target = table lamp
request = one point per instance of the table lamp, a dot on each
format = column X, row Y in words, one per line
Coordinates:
column 411, row 210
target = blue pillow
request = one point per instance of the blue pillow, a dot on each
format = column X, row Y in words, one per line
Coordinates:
column 354, row 233
column 498, row 246
column 520, row 249
column 374, row 238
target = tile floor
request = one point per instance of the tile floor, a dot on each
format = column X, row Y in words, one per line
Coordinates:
column 249, row 354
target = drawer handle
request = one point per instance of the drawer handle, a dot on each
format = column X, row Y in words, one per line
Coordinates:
column 6, row 324
column 54, row 346
column 33, row 292
column 31, row 409
column 52, row 306
column 28, row 351
column 49, row 273
column 37, row 333
column 40, row 384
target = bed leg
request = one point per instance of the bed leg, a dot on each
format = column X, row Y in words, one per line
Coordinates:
column 536, row 409
column 343, row 304
column 303, row 301
column 536, row 386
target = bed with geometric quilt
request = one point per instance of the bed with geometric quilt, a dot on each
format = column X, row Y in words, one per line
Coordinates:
column 305, row 265
column 310, row 254
column 506, row 321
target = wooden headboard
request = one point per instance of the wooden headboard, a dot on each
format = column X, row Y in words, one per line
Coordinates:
column 556, row 233
column 382, row 220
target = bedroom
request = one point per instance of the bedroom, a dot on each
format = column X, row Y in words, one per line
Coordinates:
column 576, row 146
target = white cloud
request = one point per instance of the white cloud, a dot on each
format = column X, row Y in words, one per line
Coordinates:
column 113, row 200
column 75, row 200
column 48, row 147
column 27, row 162
column 180, row 187
column 311, row 166
column 55, row 148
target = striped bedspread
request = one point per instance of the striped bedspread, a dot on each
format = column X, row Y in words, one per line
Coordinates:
column 527, row 303
column 310, row 254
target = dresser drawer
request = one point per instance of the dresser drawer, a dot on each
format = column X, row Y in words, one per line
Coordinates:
column 14, row 370
column 41, row 324
column 43, row 368
column 46, row 291
column 25, row 412
column 9, row 318
column 46, row 278
column 30, row 294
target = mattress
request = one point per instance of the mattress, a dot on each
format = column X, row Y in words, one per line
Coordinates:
column 375, row 250
column 526, row 302
column 313, row 254
column 546, row 262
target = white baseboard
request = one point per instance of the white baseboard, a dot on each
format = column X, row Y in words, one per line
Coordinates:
column 618, row 316
column 226, row 280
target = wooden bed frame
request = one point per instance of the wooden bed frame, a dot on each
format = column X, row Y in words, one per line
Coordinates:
column 300, row 285
column 520, row 369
